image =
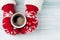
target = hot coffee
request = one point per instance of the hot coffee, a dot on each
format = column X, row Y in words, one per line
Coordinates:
column 18, row 20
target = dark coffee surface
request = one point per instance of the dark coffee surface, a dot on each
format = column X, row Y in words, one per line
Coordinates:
column 18, row 20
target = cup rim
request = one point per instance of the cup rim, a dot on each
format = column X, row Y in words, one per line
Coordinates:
column 21, row 13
